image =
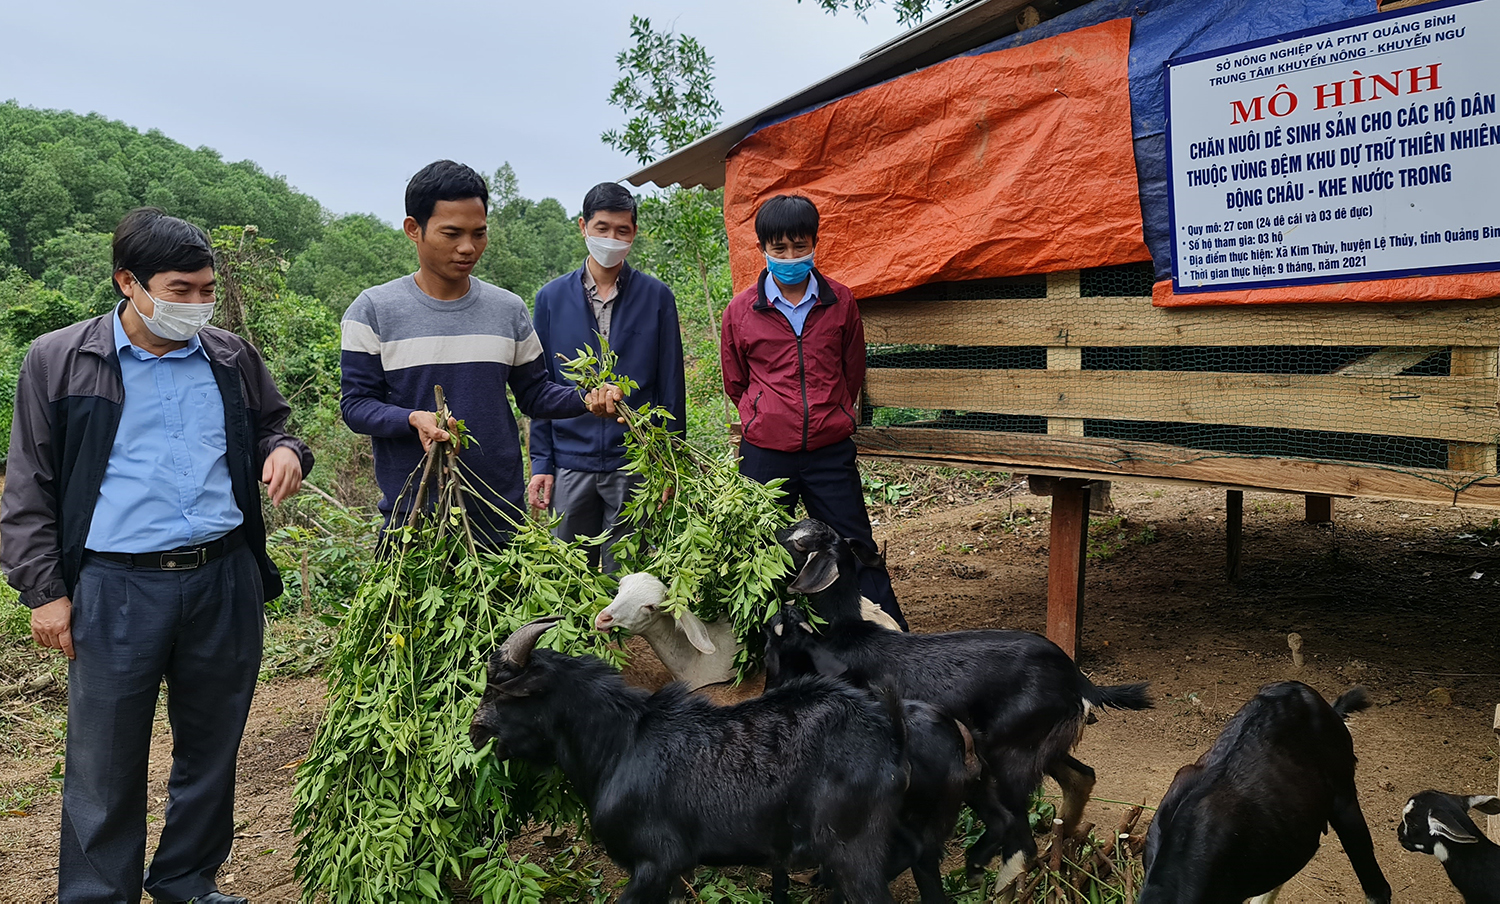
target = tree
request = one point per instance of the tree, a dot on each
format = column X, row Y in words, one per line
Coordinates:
column 687, row 247
column 531, row 242
column 80, row 265
column 355, row 252
column 250, row 273
column 908, row 12
column 666, row 87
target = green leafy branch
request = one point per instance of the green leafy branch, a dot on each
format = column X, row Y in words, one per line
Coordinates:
column 708, row 532
column 392, row 802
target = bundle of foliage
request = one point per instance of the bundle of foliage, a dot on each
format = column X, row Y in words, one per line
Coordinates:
column 392, row 802
column 705, row 530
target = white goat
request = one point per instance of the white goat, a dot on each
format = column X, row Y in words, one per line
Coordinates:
column 873, row 613
column 694, row 651
column 697, row 653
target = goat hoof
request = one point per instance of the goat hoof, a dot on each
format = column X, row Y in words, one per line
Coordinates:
column 973, row 875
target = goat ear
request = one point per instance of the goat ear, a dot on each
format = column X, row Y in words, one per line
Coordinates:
column 1437, row 826
column 827, row 664
column 522, row 685
column 1485, row 803
column 868, row 556
column 697, row 633
column 821, row 570
column 517, row 648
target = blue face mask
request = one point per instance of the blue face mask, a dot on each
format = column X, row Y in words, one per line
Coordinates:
column 790, row 272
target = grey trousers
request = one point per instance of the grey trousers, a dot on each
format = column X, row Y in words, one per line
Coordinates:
column 202, row 631
column 590, row 503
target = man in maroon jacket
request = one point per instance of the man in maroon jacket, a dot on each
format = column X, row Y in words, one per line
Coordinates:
column 793, row 352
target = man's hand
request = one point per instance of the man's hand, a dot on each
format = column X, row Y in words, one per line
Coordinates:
column 539, row 491
column 426, row 425
column 601, row 401
column 282, row 473
column 52, row 625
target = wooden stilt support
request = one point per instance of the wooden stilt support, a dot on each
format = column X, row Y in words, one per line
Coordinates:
column 1494, row 821
column 1234, row 537
column 1319, row 509
column 1066, row 558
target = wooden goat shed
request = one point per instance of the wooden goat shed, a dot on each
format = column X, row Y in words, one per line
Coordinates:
column 1426, row 438
column 1055, row 355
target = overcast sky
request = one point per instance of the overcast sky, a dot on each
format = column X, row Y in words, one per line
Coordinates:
column 348, row 99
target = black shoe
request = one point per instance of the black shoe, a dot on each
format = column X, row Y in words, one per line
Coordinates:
column 213, row 897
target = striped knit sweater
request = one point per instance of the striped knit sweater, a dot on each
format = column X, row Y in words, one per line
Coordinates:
column 399, row 342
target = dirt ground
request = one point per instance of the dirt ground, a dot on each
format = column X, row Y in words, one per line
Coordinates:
column 1398, row 597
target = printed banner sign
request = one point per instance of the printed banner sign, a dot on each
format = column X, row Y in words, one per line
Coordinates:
column 1366, row 150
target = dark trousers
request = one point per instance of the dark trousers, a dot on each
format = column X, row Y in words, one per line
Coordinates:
column 827, row 482
column 202, row 631
column 590, row 503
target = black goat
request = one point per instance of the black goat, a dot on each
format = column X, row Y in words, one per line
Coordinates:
column 819, row 556
column 808, row 774
column 1248, row 815
column 941, row 766
column 818, row 564
column 1439, row 824
column 1022, row 697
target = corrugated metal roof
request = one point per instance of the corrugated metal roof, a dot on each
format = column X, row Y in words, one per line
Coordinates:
column 956, row 30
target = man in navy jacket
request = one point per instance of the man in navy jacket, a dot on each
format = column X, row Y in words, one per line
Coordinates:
column 576, row 463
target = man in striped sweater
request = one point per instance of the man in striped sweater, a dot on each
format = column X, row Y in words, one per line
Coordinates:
column 442, row 327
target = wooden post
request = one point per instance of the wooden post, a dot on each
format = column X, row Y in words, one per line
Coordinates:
column 1099, row 498
column 1061, row 355
column 1319, row 509
column 1234, row 524
column 1494, row 821
column 1473, row 362
column 1066, row 557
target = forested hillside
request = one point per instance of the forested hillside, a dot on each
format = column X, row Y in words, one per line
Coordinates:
column 66, row 179
column 62, row 173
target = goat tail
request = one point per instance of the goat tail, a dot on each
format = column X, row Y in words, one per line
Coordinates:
column 1120, row 696
column 1355, row 699
column 896, row 712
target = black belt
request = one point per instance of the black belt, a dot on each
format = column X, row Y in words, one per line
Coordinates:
column 184, row 558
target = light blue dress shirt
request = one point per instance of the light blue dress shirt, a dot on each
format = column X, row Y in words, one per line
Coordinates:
column 167, row 481
column 796, row 314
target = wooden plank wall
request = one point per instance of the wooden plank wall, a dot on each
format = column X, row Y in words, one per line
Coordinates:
column 1368, row 396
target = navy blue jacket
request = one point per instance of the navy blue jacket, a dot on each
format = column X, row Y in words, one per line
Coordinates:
column 643, row 332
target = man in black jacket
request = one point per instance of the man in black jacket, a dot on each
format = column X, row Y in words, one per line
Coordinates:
column 131, row 525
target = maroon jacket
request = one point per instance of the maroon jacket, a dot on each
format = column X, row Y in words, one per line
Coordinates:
column 794, row 394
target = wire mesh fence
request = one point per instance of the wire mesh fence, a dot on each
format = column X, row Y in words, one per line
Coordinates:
column 1079, row 370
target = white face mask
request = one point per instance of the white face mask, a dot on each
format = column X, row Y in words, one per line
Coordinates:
column 606, row 253
column 175, row 321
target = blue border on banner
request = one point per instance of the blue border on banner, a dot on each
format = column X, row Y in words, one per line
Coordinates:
column 1177, row 288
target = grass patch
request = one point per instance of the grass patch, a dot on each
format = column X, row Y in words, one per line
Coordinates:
column 297, row 645
column 1109, row 536
column 898, row 488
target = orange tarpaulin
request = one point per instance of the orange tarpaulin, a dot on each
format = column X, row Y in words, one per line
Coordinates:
column 1006, row 163
column 1443, row 287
